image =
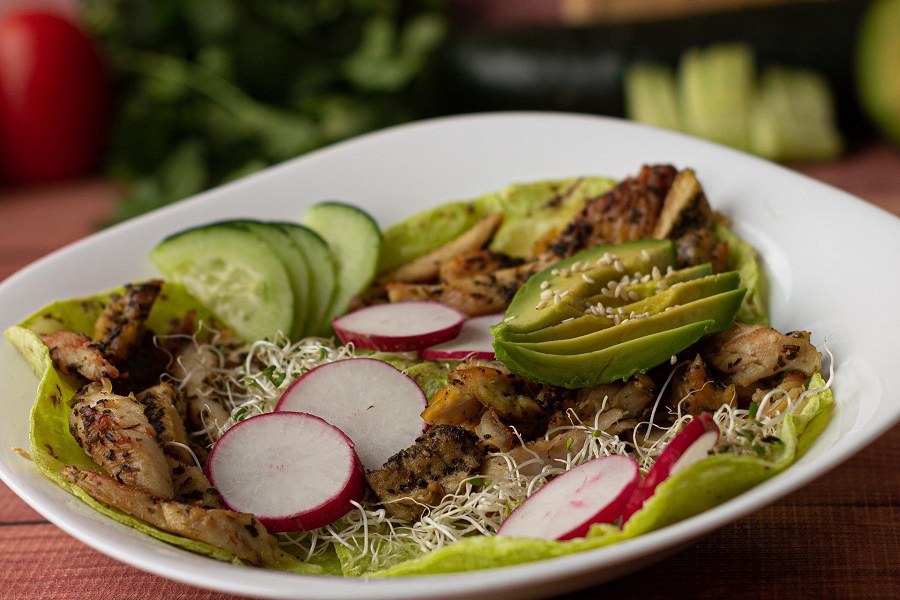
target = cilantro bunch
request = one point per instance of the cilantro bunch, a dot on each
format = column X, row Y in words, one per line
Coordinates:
column 210, row 90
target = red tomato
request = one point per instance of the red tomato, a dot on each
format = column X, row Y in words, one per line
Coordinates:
column 54, row 98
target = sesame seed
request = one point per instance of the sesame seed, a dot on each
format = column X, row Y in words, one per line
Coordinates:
column 663, row 286
column 619, row 266
column 655, row 273
column 576, row 265
column 509, row 318
column 568, row 319
column 545, row 285
column 673, row 360
column 587, row 278
column 645, row 254
column 546, row 294
column 541, row 304
column 633, row 296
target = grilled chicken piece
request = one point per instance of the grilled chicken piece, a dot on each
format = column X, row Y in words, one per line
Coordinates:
column 473, row 389
column 627, row 212
column 164, row 407
column 531, row 458
column 192, row 367
column 192, row 486
column 122, row 321
column 687, row 218
column 478, row 295
column 419, row 476
column 792, row 385
column 694, row 389
column 116, row 434
column 474, row 263
column 426, row 268
column 76, row 354
column 239, row 533
column 749, row 353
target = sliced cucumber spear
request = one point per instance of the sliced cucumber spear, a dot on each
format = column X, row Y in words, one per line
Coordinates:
column 355, row 243
column 785, row 114
column 235, row 273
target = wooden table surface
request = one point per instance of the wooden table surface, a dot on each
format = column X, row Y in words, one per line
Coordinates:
column 836, row 538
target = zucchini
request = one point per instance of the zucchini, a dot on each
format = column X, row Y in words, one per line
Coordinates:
column 583, row 69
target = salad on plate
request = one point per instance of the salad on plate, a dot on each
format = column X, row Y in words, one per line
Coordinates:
column 549, row 368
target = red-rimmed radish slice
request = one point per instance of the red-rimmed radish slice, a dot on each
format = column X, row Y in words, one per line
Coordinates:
column 292, row 470
column 474, row 341
column 399, row 326
column 372, row 402
column 566, row 507
column 690, row 445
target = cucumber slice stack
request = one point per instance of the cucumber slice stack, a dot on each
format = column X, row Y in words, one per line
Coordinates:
column 783, row 114
column 262, row 278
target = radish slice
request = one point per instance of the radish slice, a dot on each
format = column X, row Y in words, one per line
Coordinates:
column 399, row 327
column 292, row 470
column 690, row 445
column 373, row 403
column 474, row 341
column 565, row 508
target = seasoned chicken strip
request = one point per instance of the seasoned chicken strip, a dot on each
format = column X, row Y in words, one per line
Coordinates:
column 627, row 212
column 122, row 320
column 687, row 219
column 696, row 391
column 419, row 476
column 75, row 354
column 116, row 434
column 476, row 262
column 239, row 533
column 749, row 353
column 478, row 295
column 473, row 389
column 426, row 268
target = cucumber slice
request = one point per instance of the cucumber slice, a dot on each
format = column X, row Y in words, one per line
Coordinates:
column 321, row 273
column 235, row 273
column 294, row 261
column 717, row 89
column 794, row 118
column 650, row 96
column 355, row 242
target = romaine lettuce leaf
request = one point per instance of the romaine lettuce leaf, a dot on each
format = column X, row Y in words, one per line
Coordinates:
column 52, row 446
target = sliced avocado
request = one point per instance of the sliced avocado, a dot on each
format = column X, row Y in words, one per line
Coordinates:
column 602, row 366
column 645, row 289
column 559, row 291
column 719, row 308
column 679, row 294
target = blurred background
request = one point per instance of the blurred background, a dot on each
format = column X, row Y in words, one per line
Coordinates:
column 145, row 103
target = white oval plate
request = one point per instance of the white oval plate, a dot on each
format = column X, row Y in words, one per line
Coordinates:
column 825, row 251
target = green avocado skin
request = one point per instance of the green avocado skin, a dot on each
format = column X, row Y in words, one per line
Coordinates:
column 681, row 294
column 719, row 309
column 610, row 364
